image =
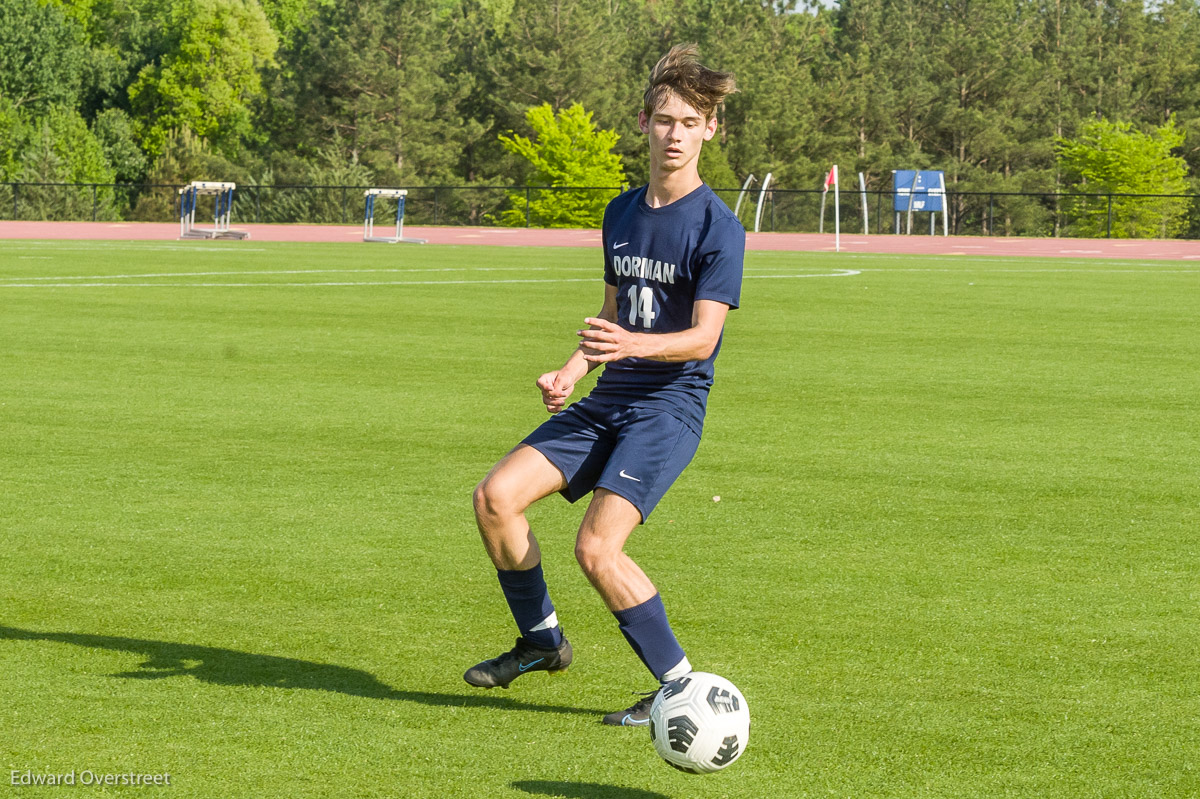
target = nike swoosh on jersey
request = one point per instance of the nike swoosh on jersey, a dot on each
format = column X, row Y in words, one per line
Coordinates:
column 630, row 477
column 619, row 246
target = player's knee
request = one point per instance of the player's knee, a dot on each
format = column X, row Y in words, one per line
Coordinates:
column 593, row 558
column 483, row 499
column 585, row 557
column 491, row 500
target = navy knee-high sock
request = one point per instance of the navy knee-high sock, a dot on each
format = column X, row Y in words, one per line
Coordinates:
column 532, row 610
column 646, row 629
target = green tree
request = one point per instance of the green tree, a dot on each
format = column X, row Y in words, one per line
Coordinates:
column 209, row 77
column 774, row 122
column 862, row 90
column 569, row 151
column 42, row 55
column 714, row 167
column 377, row 84
column 331, row 191
column 287, row 17
column 14, row 138
column 119, row 38
column 558, row 52
column 114, row 130
column 61, row 149
column 1112, row 158
column 987, row 134
column 184, row 157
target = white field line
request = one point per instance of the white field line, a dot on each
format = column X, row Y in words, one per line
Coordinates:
column 1045, row 271
column 164, row 279
column 981, row 262
column 272, row 284
column 101, row 244
column 956, row 259
column 111, row 281
column 294, row 272
column 834, row 273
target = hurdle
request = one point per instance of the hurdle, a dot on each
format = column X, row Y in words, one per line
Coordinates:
column 222, row 209
column 369, row 216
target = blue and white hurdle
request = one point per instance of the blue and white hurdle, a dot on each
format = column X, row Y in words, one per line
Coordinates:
column 369, row 216
column 222, row 192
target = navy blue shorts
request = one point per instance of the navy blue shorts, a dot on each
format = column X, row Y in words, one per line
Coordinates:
column 633, row 452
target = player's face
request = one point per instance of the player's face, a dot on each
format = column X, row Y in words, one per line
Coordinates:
column 676, row 132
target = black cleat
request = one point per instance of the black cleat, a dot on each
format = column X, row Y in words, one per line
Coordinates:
column 521, row 659
column 636, row 716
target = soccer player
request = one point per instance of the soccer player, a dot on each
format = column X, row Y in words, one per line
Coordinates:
column 672, row 270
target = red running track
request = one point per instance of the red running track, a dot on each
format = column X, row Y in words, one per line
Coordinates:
column 1166, row 249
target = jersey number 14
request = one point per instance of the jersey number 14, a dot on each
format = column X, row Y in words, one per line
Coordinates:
column 641, row 304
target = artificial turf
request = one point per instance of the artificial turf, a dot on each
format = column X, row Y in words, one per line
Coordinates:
column 956, row 552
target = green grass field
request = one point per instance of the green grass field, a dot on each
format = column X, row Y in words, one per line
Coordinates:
column 957, row 552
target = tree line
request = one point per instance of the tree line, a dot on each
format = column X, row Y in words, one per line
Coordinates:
column 426, row 92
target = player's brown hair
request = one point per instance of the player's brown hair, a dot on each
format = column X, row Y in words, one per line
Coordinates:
column 680, row 73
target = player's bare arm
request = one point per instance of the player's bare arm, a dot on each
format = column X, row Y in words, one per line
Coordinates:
column 607, row 341
column 557, row 386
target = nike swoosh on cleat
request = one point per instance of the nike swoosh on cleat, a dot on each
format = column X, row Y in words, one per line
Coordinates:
column 630, row 477
column 528, row 666
column 630, row 721
column 619, row 246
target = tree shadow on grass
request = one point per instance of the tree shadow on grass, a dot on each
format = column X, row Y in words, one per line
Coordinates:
column 229, row 667
column 584, row 790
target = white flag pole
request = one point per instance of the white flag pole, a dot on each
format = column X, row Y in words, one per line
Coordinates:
column 762, row 195
column 837, row 214
column 945, row 204
column 862, row 190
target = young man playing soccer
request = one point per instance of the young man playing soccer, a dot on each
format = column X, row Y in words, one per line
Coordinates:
column 672, row 270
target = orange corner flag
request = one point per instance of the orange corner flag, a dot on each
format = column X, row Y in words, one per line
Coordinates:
column 831, row 180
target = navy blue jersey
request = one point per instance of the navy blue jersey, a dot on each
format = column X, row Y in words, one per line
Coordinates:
column 662, row 260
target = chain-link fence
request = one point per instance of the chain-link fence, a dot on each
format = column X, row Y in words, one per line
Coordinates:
column 778, row 210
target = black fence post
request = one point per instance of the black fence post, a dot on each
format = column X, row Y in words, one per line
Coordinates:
column 93, row 202
column 343, row 205
column 16, row 205
column 257, row 194
column 435, row 205
column 991, row 215
column 1109, row 233
column 526, row 206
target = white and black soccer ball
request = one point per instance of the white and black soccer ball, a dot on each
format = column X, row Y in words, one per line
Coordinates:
column 700, row 723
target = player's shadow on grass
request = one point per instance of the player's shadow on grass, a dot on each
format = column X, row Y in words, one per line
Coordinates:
column 229, row 667
column 584, row 790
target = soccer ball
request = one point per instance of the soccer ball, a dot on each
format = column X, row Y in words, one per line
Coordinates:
column 700, row 723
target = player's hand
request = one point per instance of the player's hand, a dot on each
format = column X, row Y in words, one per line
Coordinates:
column 605, row 341
column 555, row 387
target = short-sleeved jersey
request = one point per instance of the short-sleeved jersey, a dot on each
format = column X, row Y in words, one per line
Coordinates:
column 661, row 261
